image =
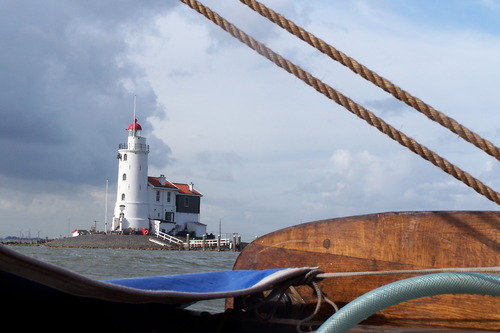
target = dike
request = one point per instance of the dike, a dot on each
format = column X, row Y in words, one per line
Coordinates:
column 110, row 241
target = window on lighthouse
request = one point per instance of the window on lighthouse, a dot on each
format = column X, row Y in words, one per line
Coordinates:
column 124, row 177
column 124, row 157
column 123, row 196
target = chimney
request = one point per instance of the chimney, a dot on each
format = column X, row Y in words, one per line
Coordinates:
column 191, row 186
column 162, row 180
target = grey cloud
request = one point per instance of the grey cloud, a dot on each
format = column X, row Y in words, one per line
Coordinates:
column 67, row 86
column 218, row 165
column 159, row 153
column 204, row 157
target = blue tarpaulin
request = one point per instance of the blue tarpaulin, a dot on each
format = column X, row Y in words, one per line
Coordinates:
column 207, row 282
column 168, row 289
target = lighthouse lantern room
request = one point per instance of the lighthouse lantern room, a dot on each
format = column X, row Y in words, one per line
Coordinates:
column 131, row 209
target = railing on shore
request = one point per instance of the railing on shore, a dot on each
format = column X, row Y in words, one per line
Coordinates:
column 169, row 238
column 198, row 243
column 209, row 243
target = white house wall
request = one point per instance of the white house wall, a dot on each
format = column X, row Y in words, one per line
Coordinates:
column 157, row 209
column 183, row 218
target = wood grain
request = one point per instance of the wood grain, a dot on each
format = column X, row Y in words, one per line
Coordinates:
column 391, row 241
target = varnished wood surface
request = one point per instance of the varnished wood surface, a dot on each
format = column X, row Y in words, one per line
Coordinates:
column 389, row 329
column 391, row 241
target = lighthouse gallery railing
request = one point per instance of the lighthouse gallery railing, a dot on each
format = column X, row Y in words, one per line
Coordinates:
column 134, row 146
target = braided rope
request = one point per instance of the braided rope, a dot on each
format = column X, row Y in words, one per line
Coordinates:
column 374, row 78
column 346, row 102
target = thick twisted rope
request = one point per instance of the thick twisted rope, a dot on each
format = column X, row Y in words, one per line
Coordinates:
column 346, row 102
column 374, row 78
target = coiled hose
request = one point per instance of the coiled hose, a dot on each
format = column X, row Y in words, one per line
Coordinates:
column 407, row 289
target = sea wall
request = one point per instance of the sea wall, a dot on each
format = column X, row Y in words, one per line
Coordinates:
column 114, row 241
column 110, row 241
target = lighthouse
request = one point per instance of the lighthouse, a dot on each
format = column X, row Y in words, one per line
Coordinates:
column 131, row 209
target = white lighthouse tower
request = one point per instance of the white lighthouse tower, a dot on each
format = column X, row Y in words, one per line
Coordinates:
column 131, row 209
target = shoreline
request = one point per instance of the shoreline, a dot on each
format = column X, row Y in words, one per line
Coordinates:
column 112, row 241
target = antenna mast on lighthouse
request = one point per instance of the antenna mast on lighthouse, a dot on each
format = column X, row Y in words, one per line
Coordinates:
column 135, row 100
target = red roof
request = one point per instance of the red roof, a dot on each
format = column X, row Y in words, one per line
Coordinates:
column 182, row 188
column 134, row 126
column 155, row 181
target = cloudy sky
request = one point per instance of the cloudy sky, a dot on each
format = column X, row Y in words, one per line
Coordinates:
column 266, row 150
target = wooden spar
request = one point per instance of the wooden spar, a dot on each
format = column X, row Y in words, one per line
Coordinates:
column 390, row 241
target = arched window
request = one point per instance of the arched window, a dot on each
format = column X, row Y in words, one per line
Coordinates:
column 123, row 196
column 124, row 157
column 124, row 177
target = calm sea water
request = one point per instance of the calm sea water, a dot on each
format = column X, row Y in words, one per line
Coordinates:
column 118, row 263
